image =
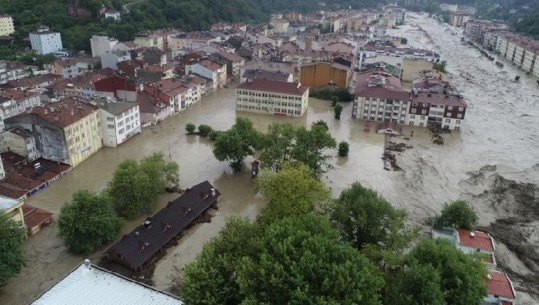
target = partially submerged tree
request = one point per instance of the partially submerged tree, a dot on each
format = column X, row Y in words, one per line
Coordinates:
column 134, row 187
column 366, row 218
column 204, row 130
column 190, row 128
column 238, row 142
column 458, row 214
column 338, row 110
column 292, row 191
column 310, row 147
column 278, row 144
column 11, row 253
column 343, row 148
column 88, row 222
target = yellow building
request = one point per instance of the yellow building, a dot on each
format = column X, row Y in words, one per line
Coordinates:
column 13, row 209
column 272, row 97
column 6, row 25
column 321, row 74
column 69, row 130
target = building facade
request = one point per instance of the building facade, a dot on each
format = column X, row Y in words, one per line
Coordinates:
column 68, row 131
column 120, row 121
column 6, row 25
column 44, row 41
column 272, row 97
column 101, row 44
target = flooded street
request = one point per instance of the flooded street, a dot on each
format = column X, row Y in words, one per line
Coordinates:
column 498, row 140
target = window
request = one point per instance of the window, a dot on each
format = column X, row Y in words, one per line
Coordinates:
column 457, row 122
column 109, row 119
column 448, row 120
column 461, row 109
column 424, row 111
column 414, row 110
column 422, row 117
column 449, row 107
column 421, row 124
column 459, row 115
column 412, row 116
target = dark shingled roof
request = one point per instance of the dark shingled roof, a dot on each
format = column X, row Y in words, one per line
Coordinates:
column 137, row 247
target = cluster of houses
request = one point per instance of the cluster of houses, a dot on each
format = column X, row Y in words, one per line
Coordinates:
column 500, row 290
column 522, row 51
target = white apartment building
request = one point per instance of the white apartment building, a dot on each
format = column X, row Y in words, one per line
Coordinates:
column 120, row 121
column 101, row 44
column 520, row 50
column 45, row 41
column 111, row 59
column 272, row 97
column 6, row 25
column 209, row 69
column 15, row 102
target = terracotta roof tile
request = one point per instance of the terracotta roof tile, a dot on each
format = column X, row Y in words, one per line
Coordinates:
column 476, row 239
column 499, row 285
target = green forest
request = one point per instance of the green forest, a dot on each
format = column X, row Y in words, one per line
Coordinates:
column 187, row 15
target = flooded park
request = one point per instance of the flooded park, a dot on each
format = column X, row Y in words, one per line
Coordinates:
column 493, row 164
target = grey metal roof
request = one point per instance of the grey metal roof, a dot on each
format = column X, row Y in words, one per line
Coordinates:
column 7, row 203
column 91, row 285
column 114, row 107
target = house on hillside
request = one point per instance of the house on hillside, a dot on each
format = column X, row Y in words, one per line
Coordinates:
column 135, row 250
column 469, row 241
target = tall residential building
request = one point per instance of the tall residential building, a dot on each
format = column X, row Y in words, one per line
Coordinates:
column 102, row 44
column 69, row 130
column 272, row 97
column 6, row 25
column 45, row 41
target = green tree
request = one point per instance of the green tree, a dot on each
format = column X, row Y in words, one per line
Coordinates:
column 334, row 100
column 204, row 130
column 366, row 218
column 310, row 146
column 321, row 123
column 292, row 191
column 88, row 222
column 301, row 260
column 440, row 67
column 240, row 141
column 458, row 214
column 11, row 252
column 338, row 109
column 344, row 148
column 278, row 143
column 416, row 284
column 211, row 278
column 190, row 128
column 134, row 187
column 462, row 276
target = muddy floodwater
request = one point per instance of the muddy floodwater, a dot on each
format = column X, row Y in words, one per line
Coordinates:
column 493, row 164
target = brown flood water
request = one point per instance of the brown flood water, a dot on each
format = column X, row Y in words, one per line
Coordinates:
column 47, row 258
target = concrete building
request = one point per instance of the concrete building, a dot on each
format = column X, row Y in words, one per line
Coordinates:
column 6, row 25
column 149, row 40
column 15, row 102
column 272, row 97
column 209, row 69
column 19, row 141
column 67, row 68
column 44, row 41
column 12, row 209
column 280, row 25
column 520, row 50
column 111, row 59
column 89, row 284
column 119, row 87
column 120, row 121
column 102, row 44
column 69, row 130
column 114, row 15
column 459, row 18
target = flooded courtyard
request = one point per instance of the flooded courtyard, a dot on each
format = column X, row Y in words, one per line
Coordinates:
column 497, row 145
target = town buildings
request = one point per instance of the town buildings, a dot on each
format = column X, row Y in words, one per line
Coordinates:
column 520, row 50
column 14, row 102
column 112, row 58
column 272, row 97
column 69, row 131
column 67, row 68
column 12, row 209
column 6, row 25
column 45, row 41
column 210, row 69
column 469, row 242
column 459, row 18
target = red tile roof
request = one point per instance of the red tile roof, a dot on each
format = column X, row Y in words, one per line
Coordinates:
column 11, row 191
column 439, row 99
column 499, row 285
column 274, row 87
column 64, row 112
column 34, row 217
column 479, row 240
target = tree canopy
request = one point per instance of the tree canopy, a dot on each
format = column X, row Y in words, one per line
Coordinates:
column 292, row 191
column 457, row 214
column 135, row 186
column 11, row 252
column 240, row 141
column 296, row 260
column 366, row 218
column 88, row 222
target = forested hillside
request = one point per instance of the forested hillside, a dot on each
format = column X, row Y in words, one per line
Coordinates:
column 529, row 25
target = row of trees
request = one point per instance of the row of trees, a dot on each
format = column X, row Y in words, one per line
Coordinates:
column 282, row 143
column 307, row 248
column 92, row 219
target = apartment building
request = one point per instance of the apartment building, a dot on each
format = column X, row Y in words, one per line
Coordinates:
column 120, row 121
column 459, row 18
column 67, row 68
column 149, row 40
column 45, row 41
column 6, row 25
column 68, row 131
column 15, row 102
column 19, row 141
column 272, row 97
column 101, row 44
column 520, row 50
column 209, row 69
column 380, row 98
